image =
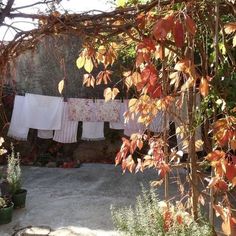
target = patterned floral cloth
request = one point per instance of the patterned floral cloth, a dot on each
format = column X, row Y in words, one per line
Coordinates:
column 80, row 109
column 108, row 111
column 87, row 110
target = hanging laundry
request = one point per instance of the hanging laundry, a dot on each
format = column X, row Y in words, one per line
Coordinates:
column 43, row 112
column 120, row 124
column 68, row 131
column 45, row 134
column 81, row 109
column 18, row 128
column 108, row 111
column 157, row 124
column 93, row 131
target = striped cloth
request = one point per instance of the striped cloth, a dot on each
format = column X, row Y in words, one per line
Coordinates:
column 68, row 131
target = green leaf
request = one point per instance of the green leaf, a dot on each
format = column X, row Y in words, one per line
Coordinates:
column 120, row 3
column 88, row 66
column 80, row 62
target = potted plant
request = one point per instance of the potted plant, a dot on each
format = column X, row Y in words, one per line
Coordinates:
column 6, row 209
column 13, row 178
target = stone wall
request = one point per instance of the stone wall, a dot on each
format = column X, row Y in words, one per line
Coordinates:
column 39, row 72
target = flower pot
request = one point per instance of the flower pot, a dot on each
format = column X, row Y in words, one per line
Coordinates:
column 19, row 198
column 6, row 214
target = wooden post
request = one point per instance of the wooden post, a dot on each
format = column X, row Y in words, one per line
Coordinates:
column 216, row 40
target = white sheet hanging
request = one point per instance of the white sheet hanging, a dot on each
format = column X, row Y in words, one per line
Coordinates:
column 157, row 124
column 119, row 125
column 68, row 131
column 45, row 134
column 93, row 131
column 18, row 128
column 43, row 112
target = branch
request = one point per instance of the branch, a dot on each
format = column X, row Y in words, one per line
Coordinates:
column 31, row 5
column 6, row 11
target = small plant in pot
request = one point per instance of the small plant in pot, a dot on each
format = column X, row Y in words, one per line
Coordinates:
column 13, row 178
column 6, row 209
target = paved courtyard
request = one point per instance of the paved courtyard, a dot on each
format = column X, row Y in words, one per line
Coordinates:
column 78, row 199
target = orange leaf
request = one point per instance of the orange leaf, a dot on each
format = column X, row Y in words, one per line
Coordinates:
column 88, row 80
column 204, row 87
column 226, row 226
column 215, row 155
column 139, row 144
column 230, row 27
column 183, row 65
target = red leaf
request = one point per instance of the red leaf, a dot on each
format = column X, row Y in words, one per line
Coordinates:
column 162, row 28
column 149, row 74
column 190, row 25
column 155, row 91
column 230, row 172
column 178, row 33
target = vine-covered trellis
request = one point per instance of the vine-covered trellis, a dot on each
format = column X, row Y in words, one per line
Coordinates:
column 181, row 50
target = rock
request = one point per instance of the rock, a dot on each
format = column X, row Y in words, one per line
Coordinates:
column 51, row 164
column 72, row 232
column 34, row 231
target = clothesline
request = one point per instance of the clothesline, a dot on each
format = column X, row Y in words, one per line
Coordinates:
column 58, row 120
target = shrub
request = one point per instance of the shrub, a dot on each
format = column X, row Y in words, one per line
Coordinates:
column 151, row 217
column 13, row 171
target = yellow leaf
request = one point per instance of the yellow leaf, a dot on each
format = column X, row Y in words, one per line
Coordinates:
column 128, row 82
column 120, row 3
column 183, row 65
column 80, row 61
column 188, row 84
column 115, row 91
column 226, row 227
column 61, row 86
column 88, row 66
column 198, row 144
column 234, row 41
column 136, row 78
column 107, row 94
column 102, row 49
column 132, row 104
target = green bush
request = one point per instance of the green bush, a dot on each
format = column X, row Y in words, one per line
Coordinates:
column 14, row 171
column 151, row 217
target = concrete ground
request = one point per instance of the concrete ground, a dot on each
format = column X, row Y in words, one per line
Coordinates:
column 77, row 200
